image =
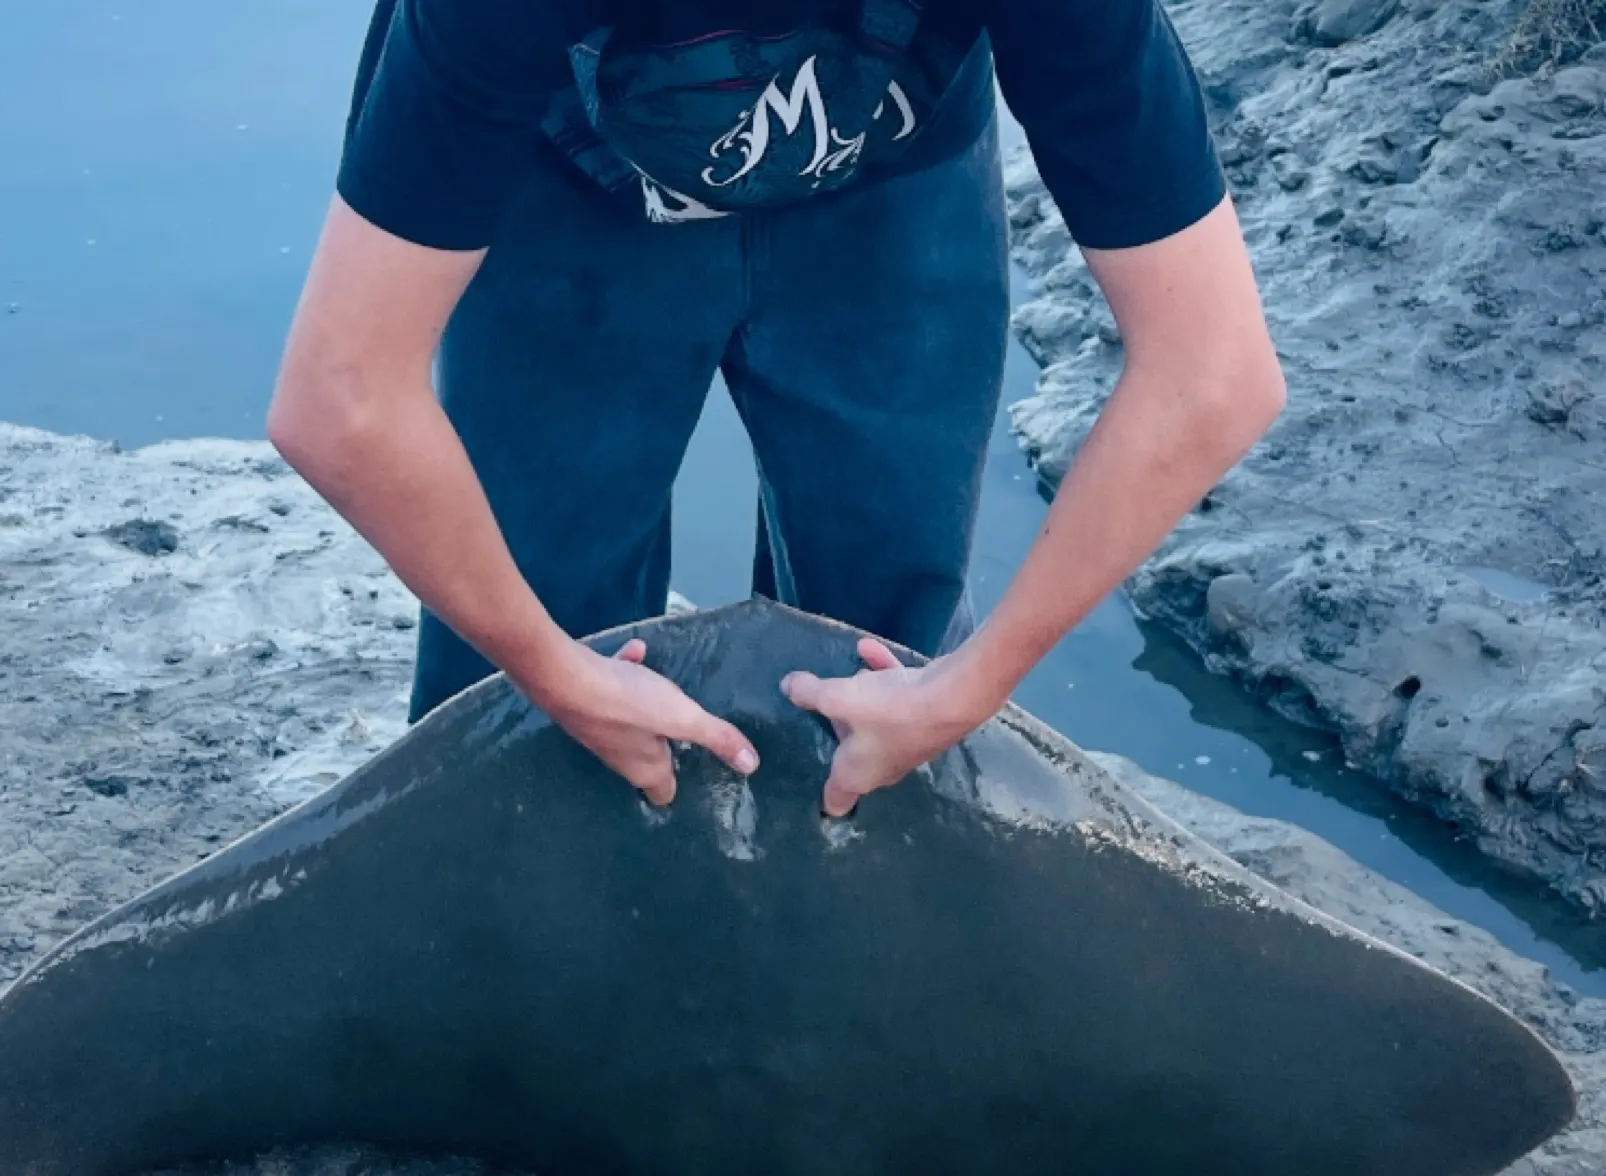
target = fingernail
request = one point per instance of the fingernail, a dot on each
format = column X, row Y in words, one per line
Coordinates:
column 786, row 685
column 746, row 760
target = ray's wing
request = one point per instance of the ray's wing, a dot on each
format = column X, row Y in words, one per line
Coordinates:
column 480, row 943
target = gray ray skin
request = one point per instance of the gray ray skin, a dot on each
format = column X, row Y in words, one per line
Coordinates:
column 482, row 944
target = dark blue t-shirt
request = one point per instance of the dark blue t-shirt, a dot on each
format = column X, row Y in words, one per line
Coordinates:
column 451, row 95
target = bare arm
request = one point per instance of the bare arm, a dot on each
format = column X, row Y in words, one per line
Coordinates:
column 1200, row 386
column 1119, row 130
column 355, row 414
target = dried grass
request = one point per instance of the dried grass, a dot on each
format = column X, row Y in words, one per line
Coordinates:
column 1551, row 33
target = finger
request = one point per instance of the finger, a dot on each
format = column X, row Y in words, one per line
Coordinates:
column 838, row 801
column 721, row 738
column 848, row 782
column 877, row 656
column 655, row 776
column 804, row 690
column 633, row 650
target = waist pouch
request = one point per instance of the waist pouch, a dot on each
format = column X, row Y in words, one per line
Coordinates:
column 733, row 121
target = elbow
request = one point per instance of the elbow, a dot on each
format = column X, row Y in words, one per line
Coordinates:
column 1241, row 399
column 287, row 424
column 316, row 415
column 295, row 425
column 1265, row 392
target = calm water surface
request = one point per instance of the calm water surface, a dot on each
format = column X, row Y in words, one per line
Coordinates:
column 164, row 166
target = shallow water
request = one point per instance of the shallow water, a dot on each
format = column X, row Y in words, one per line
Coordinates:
column 1509, row 586
column 158, row 204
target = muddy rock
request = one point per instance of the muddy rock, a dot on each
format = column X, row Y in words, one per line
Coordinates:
column 145, row 536
column 1333, row 22
column 1414, row 556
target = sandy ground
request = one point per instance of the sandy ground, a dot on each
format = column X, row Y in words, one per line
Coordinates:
column 1413, row 557
column 193, row 642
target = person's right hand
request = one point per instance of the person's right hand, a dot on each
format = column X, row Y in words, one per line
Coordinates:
column 626, row 714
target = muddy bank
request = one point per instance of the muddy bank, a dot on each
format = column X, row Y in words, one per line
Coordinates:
column 1413, row 557
column 190, row 642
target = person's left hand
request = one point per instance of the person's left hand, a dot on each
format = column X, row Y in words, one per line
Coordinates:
column 889, row 720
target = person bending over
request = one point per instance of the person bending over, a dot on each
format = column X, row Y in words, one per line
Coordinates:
column 586, row 210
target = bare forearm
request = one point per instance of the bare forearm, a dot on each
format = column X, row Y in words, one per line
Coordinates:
column 401, row 477
column 355, row 415
column 1155, row 451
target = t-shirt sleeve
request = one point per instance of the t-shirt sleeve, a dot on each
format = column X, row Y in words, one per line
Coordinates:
column 1114, row 114
column 446, row 114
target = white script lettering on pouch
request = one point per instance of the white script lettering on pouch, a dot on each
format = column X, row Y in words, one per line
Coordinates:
column 749, row 140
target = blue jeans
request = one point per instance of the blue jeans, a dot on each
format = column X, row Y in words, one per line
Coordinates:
column 861, row 337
